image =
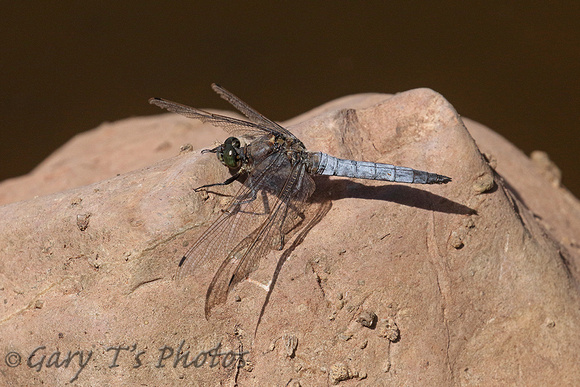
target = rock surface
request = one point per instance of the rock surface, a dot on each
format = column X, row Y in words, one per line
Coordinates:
column 474, row 282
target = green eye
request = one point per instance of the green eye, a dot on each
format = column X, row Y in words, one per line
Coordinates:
column 230, row 155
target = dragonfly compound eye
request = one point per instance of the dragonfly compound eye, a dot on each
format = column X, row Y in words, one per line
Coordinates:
column 230, row 156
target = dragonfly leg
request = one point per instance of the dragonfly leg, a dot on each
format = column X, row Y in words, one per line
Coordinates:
column 227, row 182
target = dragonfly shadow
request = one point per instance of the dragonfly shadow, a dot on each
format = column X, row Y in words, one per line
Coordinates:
column 328, row 191
column 400, row 194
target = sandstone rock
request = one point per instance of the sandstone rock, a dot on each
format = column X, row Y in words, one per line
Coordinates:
column 477, row 278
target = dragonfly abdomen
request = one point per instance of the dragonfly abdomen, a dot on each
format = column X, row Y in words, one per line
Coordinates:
column 324, row 164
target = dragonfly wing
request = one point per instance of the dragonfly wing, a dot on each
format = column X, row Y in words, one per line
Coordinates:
column 223, row 280
column 250, row 112
column 287, row 203
column 244, row 212
column 231, row 125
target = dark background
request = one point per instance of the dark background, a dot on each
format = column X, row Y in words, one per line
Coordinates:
column 68, row 66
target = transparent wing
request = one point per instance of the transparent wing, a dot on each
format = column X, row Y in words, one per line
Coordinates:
column 267, row 206
column 286, row 213
column 244, row 212
column 231, row 125
column 250, row 112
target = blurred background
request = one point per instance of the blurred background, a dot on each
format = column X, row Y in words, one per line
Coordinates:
column 66, row 67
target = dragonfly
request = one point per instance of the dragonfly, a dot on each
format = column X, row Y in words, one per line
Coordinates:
column 275, row 171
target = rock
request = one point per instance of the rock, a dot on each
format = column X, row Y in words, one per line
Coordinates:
column 479, row 276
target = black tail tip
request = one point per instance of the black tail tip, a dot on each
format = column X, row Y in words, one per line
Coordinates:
column 442, row 179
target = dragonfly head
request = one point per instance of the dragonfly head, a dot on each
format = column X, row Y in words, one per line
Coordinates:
column 229, row 153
